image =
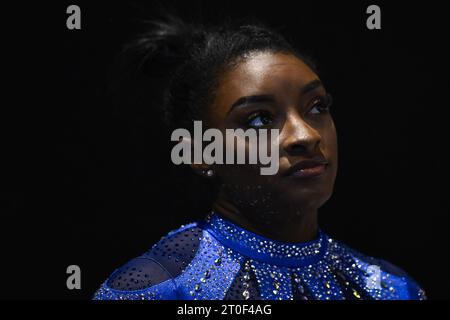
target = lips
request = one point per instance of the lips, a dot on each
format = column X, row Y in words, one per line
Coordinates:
column 307, row 168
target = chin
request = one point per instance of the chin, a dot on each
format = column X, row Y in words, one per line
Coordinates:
column 308, row 198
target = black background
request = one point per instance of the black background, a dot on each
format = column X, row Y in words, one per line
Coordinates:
column 89, row 182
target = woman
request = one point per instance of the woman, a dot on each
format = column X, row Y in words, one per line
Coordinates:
column 261, row 239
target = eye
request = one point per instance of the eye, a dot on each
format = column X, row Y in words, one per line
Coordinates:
column 321, row 105
column 259, row 120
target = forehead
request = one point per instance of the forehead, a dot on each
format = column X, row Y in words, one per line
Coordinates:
column 279, row 74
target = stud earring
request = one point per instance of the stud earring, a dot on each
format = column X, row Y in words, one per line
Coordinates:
column 209, row 172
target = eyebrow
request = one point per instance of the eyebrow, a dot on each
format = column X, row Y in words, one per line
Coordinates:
column 313, row 85
column 252, row 99
column 271, row 98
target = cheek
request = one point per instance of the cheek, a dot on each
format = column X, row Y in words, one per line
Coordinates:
column 329, row 143
column 330, row 150
column 241, row 174
column 334, row 146
column 245, row 173
column 244, row 183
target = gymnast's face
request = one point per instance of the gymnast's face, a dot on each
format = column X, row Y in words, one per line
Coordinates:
column 277, row 91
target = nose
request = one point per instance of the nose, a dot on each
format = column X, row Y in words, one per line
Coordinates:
column 300, row 138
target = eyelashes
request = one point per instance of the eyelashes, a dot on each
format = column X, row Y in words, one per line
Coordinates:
column 317, row 106
column 321, row 105
column 259, row 119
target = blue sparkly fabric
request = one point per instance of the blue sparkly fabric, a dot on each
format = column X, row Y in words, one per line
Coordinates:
column 217, row 260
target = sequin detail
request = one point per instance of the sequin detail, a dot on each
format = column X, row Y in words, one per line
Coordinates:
column 215, row 260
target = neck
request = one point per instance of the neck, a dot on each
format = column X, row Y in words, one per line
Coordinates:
column 289, row 225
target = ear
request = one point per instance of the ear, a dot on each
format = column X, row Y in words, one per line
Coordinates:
column 202, row 169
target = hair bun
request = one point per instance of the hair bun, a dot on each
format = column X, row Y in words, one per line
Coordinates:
column 165, row 45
